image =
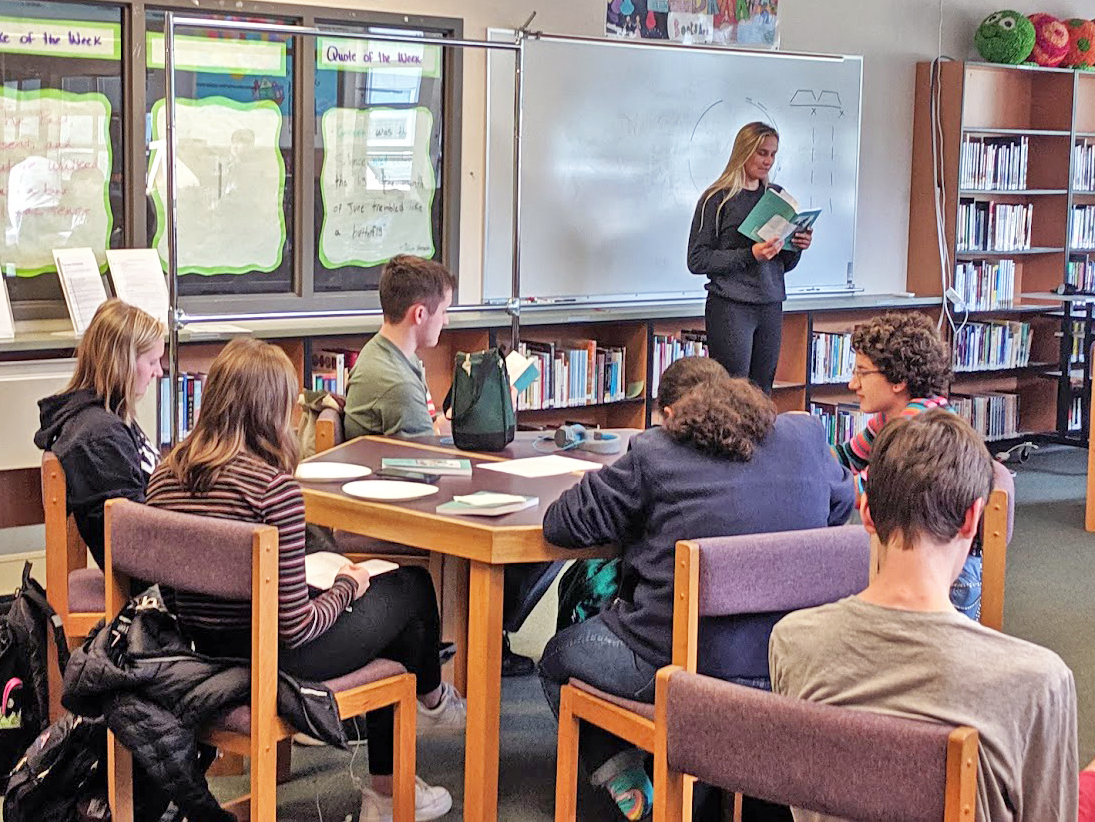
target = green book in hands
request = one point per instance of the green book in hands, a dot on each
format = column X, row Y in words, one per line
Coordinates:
column 777, row 216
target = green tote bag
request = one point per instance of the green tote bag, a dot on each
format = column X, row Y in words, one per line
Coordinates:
column 482, row 409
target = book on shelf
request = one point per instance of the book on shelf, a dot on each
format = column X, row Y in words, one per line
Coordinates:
column 572, row 373
column 331, row 369
column 986, row 225
column 984, row 285
column 842, row 421
column 993, row 163
column 487, row 504
column 441, row 467
column 668, row 349
column 1081, row 275
column 1083, row 165
column 321, row 568
column 776, row 216
column 190, row 386
column 831, row 357
column 522, row 370
column 991, row 345
column 1081, row 229
column 1076, row 414
column 993, row 415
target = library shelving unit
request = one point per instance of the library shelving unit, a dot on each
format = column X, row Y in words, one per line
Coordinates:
column 1006, row 163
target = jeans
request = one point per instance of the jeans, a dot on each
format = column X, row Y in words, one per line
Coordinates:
column 591, row 652
column 966, row 590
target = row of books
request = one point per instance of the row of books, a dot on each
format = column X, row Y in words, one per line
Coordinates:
column 575, row 372
column 993, row 344
column 994, row 163
column 985, row 285
column 1081, row 274
column 1076, row 414
column 190, row 401
column 668, row 349
column 842, row 421
column 985, row 225
column 1081, row 229
column 993, row 415
column 1083, row 166
column 831, row 357
column 331, row 369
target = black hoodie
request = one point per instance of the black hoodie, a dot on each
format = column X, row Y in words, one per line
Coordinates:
column 101, row 456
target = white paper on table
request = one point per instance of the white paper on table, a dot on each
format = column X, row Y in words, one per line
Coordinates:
column 7, row 322
column 488, row 499
column 139, row 280
column 82, row 284
column 549, row 466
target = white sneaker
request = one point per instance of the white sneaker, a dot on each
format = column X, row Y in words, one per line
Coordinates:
column 429, row 803
column 302, row 738
column 450, row 714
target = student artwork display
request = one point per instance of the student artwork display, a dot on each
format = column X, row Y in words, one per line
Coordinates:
column 377, row 185
column 230, row 180
column 55, row 162
column 721, row 22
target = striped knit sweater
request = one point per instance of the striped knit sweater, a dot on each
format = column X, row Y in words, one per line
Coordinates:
column 856, row 452
column 250, row 490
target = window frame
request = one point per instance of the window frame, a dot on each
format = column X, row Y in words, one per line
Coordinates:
column 302, row 296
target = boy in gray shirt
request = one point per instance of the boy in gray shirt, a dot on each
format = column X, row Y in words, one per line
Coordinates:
column 901, row 648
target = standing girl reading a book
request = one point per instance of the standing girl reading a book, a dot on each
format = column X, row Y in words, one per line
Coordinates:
column 745, row 289
column 238, row 463
column 91, row 426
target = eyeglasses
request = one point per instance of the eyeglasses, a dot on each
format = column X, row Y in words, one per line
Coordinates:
column 860, row 373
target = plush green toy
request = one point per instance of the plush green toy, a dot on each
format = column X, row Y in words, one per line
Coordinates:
column 1005, row 37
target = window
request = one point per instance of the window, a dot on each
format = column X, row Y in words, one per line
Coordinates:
column 234, row 172
column 60, row 139
column 378, row 138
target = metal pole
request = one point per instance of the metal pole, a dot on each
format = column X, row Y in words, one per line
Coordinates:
column 518, row 106
column 172, row 236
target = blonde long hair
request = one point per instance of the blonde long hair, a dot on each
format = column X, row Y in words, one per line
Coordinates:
column 732, row 179
column 106, row 358
column 246, row 408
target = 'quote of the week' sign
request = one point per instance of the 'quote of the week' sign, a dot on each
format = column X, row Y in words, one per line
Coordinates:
column 370, row 55
column 60, row 38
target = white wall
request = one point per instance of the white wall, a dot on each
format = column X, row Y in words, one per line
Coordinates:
column 892, row 35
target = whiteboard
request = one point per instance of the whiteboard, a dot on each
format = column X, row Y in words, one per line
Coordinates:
column 619, row 140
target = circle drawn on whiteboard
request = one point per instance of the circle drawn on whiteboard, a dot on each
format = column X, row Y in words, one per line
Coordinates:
column 708, row 141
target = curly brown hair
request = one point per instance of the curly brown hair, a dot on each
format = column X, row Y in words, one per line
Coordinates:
column 685, row 374
column 724, row 416
column 906, row 348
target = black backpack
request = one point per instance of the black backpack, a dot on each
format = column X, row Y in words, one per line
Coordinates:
column 27, row 625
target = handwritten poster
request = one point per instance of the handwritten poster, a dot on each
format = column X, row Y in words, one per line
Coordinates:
column 368, row 55
column 61, row 38
column 55, row 164
column 230, row 181
column 721, row 22
column 377, row 184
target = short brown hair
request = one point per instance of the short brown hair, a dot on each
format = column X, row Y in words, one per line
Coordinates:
column 926, row 471
column 685, row 374
column 723, row 416
column 106, row 358
column 247, row 408
column 408, row 280
column 906, row 348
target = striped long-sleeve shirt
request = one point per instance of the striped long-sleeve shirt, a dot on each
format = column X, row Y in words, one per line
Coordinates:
column 250, row 490
column 856, row 452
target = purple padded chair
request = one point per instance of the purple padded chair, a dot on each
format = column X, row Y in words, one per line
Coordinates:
column 152, row 544
column 853, row 764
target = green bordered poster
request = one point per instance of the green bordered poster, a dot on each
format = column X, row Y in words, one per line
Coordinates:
column 60, row 38
column 375, row 55
column 377, row 184
column 230, row 181
column 55, row 163
column 214, row 56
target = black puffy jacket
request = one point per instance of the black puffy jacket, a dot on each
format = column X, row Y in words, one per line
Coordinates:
column 155, row 691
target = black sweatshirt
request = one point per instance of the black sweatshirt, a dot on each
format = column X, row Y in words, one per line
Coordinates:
column 662, row 490
column 717, row 250
column 103, row 458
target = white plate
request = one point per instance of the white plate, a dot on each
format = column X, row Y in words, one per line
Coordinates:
column 388, row 490
column 331, row 471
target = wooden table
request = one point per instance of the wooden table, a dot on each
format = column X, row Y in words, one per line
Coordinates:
column 487, row 543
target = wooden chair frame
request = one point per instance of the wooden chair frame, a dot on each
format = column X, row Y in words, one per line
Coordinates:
column 65, row 553
column 267, row 728
column 669, row 794
column 577, row 705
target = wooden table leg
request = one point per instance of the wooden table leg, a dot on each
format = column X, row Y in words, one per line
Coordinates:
column 455, row 618
column 484, row 645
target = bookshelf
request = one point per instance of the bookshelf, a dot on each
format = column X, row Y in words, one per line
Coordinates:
column 1017, row 172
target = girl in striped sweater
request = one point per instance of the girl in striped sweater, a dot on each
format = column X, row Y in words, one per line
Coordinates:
column 238, row 463
column 902, row 369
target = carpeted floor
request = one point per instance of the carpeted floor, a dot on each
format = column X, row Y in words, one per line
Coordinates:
column 1051, row 567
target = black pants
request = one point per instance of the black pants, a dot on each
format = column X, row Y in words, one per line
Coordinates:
column 396, row 619
column 744, row 338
